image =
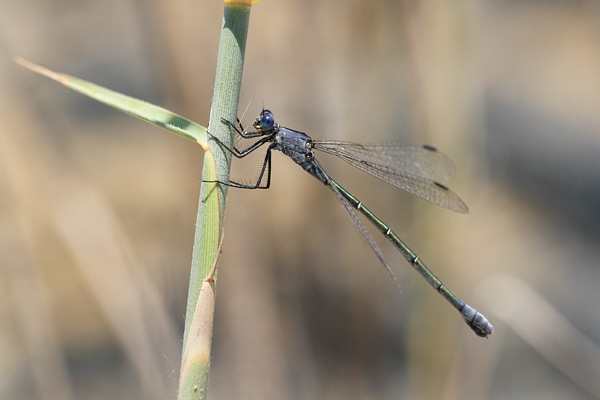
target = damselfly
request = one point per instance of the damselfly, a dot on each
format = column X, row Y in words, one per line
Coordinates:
column 414, row 168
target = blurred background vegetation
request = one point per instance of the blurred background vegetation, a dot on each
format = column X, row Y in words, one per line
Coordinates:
column 97, row 209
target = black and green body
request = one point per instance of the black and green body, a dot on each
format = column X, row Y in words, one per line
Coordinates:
column 414, row 168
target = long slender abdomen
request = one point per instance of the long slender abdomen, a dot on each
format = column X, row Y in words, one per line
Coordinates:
column 476, row 321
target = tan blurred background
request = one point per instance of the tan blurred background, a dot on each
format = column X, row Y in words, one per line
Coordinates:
column 98, row 209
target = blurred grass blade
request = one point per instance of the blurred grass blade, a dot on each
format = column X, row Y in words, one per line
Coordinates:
column 241, row 3
column 138, row 108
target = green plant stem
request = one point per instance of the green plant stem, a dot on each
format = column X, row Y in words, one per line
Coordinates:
column 198, row 324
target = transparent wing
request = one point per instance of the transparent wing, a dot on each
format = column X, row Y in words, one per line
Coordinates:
column 357, row 222
column 412, row 167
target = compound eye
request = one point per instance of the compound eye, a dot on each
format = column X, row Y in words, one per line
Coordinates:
column 267, row 121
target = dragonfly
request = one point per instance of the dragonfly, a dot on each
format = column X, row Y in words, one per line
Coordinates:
column 416, row 168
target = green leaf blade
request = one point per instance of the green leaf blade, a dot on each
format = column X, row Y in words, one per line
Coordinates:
column 140, row 109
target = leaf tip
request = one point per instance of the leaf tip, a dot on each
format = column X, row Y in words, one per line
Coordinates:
column 38, row 68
